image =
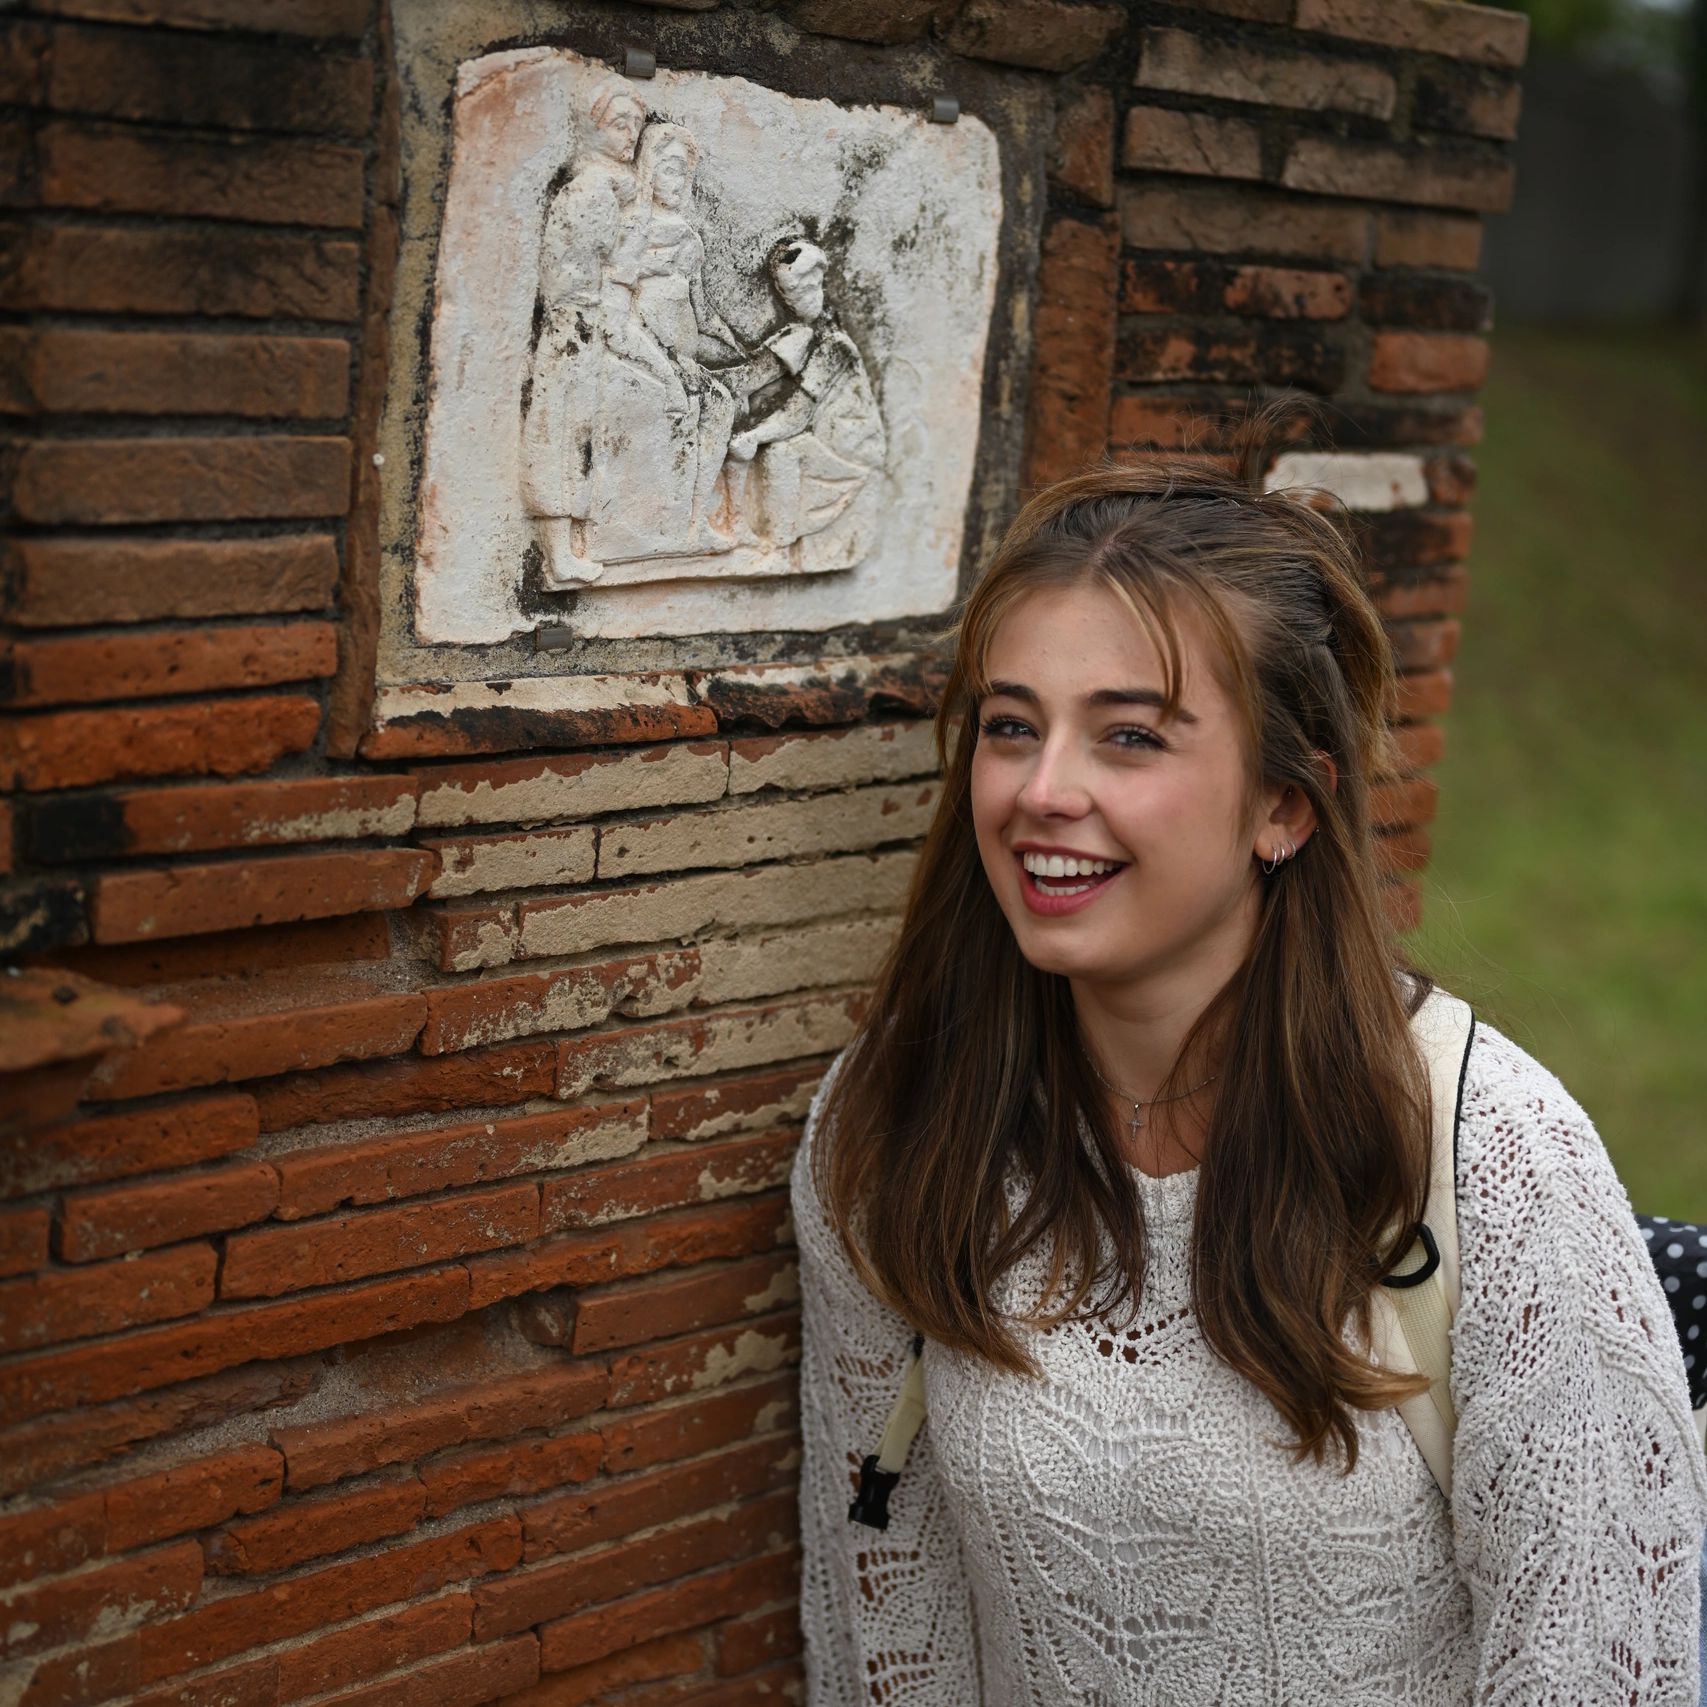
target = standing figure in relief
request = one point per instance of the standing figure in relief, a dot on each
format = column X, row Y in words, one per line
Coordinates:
column 814, row 440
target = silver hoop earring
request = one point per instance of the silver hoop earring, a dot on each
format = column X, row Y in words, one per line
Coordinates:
column 1291, row 849
column 1271, row 866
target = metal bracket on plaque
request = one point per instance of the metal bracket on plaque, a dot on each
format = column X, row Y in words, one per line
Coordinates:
column 945, row 109
column 639, row 62
column 552, row 639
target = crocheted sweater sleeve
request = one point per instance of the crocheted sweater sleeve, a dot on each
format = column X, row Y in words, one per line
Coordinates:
column 886, row 1614
column 1579, row 1492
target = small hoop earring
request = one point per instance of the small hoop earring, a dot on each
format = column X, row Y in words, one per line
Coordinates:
column 1271, row 866
column 1291, row 849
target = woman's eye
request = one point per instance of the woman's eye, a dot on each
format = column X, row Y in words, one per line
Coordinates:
column 1004, row 728
column 1135, row 736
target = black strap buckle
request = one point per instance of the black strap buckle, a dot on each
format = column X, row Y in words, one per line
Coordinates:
column 871, row 1503
column 1417, row 1275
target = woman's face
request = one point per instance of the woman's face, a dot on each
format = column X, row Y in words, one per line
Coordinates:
column 1075, row 762
column 670, row 178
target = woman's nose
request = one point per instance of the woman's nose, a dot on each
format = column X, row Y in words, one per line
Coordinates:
column 1054, row 789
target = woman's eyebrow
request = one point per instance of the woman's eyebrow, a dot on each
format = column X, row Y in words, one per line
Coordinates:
column 1101, row 696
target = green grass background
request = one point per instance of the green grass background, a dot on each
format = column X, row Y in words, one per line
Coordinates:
column 1567, row 896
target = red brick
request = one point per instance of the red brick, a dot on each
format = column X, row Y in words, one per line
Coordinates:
column 1401, row 851
column 327, row 1596
column 734, row 1104
column 272, row 182
column 377, row 1170
column 776, row 1683
column 699, row 1424
column 195, row 1495
column 686, row 1605
column 1399, row 542
column 1042, row 35
column 1427, row 361
column 1490, row 35
column 171, row 373
column 629, row 1315
column 1402, row 904
column 1426, row 695
column 882, row 21
column 255, row 1684
column 527, row 1466
column 592, row 1685
column 273, row 1260
column 477, row 1078
column 1422, row 175
column 496, row 1409
column 1425, row 645
column 137, row 1217
column 1297, row 356
column 1386, row 426
column 744, row 1644
column 59, row 1306
column 1468, row 99
column 67, row 1609
column 48, row 1540
column 1162, row 139
column 553, row 1590
column 186, row 900
column 674, row 1240
column 158, row 1357
column 220, row 83
column 289, row 17
column 84, row 669
column 593, row 1196
column 473, row 864
column 84, row 1675
column 56, row 583
column 483, row 1673
column 1426, row 303
column 375, row 1646
column 1170, row 423
column 1451, row 479
column 1074, row 322
column 465, row 939
column 226, row 737
column 1439, row 593
column 7, row 838
column 250, row 1028
column 23, row 1240
column 1428, row 240
column 1264, row 73
column 1207, row 287
column 1082, row 158
column 104, row 481
column 703, row 1361
column 1220, row 219
column 86, row 269
column 1397, row 805
column 311, row 1528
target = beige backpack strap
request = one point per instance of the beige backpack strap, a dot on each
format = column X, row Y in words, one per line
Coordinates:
column 881, row 1469
column 1412, row 1311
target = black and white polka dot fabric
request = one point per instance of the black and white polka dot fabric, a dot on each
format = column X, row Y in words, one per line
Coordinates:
column 1679, row 1250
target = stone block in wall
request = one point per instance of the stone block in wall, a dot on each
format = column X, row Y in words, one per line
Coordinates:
column 1490, row 35
column 1042, row 35
column 1263, row 73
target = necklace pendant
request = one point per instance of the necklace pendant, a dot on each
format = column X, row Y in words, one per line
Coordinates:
column 1137, row 1118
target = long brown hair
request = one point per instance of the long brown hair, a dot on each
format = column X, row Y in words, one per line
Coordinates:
column 970, row 1066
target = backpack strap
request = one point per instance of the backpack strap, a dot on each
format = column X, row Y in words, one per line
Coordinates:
column 881, row 1469
column 1413, row 1308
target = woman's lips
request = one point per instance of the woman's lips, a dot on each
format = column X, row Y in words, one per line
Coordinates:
column 1048, row 905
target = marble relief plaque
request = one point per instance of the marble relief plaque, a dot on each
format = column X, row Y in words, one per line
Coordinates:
column 704, row 357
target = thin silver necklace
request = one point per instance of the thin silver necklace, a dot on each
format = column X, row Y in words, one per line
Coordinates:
column 1138, row 1105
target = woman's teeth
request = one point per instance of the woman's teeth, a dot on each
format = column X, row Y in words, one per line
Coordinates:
column 1045, row 869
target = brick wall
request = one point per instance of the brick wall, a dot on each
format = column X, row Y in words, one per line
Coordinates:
column 413, row 1310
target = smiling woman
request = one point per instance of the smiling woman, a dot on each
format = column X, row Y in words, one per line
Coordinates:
column 1137, row 1125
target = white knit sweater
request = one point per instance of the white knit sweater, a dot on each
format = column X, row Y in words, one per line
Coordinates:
column 1130, row 1529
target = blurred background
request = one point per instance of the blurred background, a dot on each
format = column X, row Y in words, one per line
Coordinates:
column 1567, row 898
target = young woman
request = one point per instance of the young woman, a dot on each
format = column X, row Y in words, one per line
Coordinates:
column 1124, row 1139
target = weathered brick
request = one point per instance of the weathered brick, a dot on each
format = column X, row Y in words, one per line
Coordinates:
column 288, row 17
column 86, row 269
column 495, row 1409
column 873, row 752
column 225, row 737
column 274, row 1260
column 690, row 906
column 750, row 1037
column 100, row 482
column 56, row 1537
column 159, row 78
column 885, row 22
column 161, row 1356
column 1081, row 158
column 55, row 583
column 524, row 791
column 1164, row 139
column 746, row 1643
column 272, row 182
column 1383, row 426
column 1426, row 303
column 699, row 1424
column 1437, row 592
column 1210, row 287
column 703, row 1361
column 1428, row 240
column 38, row 915
column 829, row 690
column 45, row 1308
column 734, row 1105
column 1283, row 355
column 1424, row 645
column 1469, row 99
column 23, row 1240
column 1451, row 479
column 1169, row 423
column 610, row 1628
column 744, row 969
column 472, row 865
column 593, row 1196
column 8, row 837
column 1426, row 361
column 1399, row 804
column 1400, row 851
column 485, row 1672
column 193, row 1495
column 1426, row 176
column 1222, row 220
column 336, row 1592
column 1426, row 695
column 391, row 1642
column 529, row 1466
column 592, row 1685
column 1043, row 35
column 252, row 1683
column 250, row 1028
column 1067, row 426
column 81, row 669
column 1407, row 540
column 311, row 1528
column 1264, row 74
column 84, row 1675
column 744, row 835
column 1361, row 480
column 607, row 1319
column 109, row 1598
column 1490, row 35
column 119, row 1219
column 173, row 1135
column 185, row 900
column 468, row 938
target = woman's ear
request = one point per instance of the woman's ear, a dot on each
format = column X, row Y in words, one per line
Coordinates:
column 1288, row 818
